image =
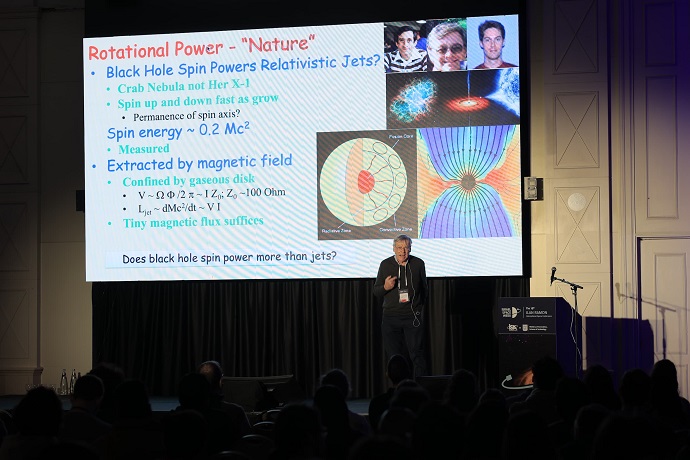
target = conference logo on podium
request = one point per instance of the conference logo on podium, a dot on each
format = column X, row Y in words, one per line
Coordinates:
column 510, row 312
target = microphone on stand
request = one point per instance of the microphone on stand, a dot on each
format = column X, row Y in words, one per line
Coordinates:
column 553, row 274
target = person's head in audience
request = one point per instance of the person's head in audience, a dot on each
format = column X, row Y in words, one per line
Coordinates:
column 410, row 397
column 664, row 378
column 635, row 389
column 601, row 389
column 492, row 394
column 398, row 422
column 132, row 401
column 88, row 393
column 193, row 392
column 337, row 378
column 447, row 47
column 213, row 373
column 330, row 401
column 38, row 413
column 587, row 422
column 485, row 426
column 185, row 434
column 297, row 432
column 461, row 392
column 571, row 395
column 112, row 376
column 409, row 383
column 333, row 412
column 397, row 369
column 665, row 399
column 545, row 373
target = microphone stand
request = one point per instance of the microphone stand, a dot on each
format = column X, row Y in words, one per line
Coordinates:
column 574, row 287
column 660, row 308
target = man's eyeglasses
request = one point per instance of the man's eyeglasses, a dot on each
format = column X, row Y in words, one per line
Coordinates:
column 455, row 49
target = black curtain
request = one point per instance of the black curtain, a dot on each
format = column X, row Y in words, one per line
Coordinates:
column 159, row 331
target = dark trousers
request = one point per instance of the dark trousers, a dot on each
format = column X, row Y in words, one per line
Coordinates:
column 400, row 336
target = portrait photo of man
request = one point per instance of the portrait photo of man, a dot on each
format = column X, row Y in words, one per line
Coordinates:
column 406, row 57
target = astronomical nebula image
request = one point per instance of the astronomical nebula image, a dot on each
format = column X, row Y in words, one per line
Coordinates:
column 441, row 99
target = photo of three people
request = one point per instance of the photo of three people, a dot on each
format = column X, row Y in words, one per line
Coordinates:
column 444, row 45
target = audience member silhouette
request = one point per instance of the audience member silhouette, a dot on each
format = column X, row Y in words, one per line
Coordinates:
column 194, row 393
column 462, row 392
column 214, row 374
column 633, row 436
column 136, row 433
column 485, row 427
column 37, row 418
column 601, row 389
column 653, row 422
column 437, row 432
column 80, row 423
column 185, row 435
column 297, row 433
column 7, row 422
column 634, row 392
column 411, row 396
column 398, row 422
column 257, row 446
column 493, row 394
column 339, row 379
column 587, row 422
column 333, row 410
column 112, row 376
column 667, row 404
column 397, row 370
column 571, row 395
column 526, row 437
column 542, row 400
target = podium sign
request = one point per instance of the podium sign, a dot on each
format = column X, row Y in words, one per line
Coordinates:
column 529, row 328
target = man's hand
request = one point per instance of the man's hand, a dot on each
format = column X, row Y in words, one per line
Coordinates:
column 390, row 282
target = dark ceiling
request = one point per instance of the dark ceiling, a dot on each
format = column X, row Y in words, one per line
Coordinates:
column 134, row 17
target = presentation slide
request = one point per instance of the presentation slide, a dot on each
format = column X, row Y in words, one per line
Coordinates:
column 301, row 152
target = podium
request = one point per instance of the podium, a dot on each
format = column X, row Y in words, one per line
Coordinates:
column 530, row 328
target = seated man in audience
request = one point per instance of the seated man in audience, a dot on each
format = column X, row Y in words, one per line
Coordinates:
column 396, row 371
column 80, row 423
column 214, row 374
column 37, row 418
column 339, row 379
